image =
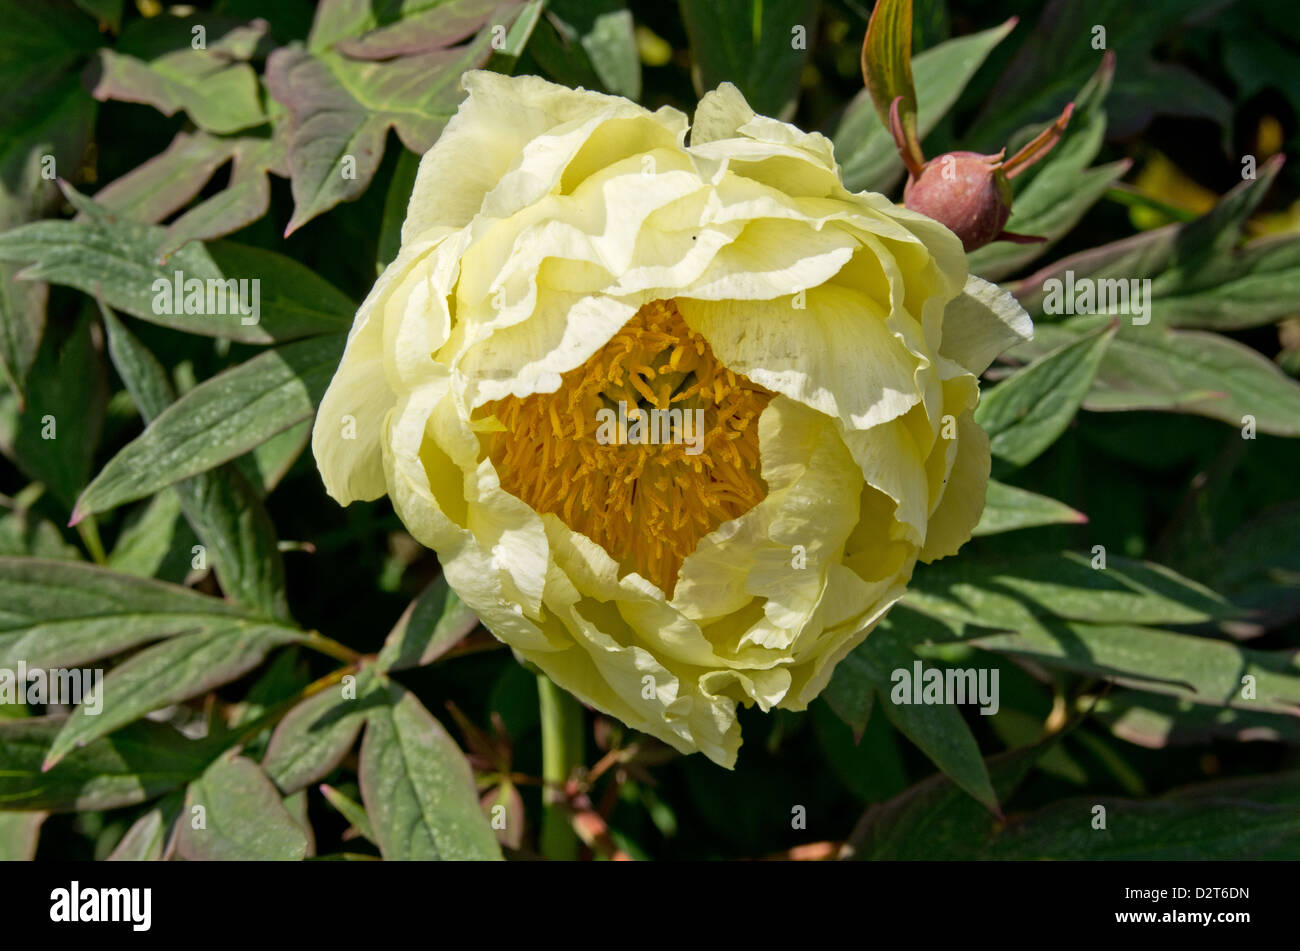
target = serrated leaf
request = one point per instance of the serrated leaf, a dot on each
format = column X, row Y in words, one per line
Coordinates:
column 318, row 732
column 159, row 187
column 218, row 420
column 170, row 180
column 1007, row 507
column 211, row 83
column 166, row 673
column 431, row 625
column 751, row 44
column 418, row 788
column 865, row 148
column 1025, row 413
column 133, row 765
column 366, row 30
column 244, row 817
column 340, row 111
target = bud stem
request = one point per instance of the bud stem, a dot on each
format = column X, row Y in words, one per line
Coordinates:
column 562, row 753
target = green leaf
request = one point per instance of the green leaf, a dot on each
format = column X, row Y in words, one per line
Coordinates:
column 168, row 672
column 1061, row 53
column 49, row 124
column 167, row 182
column 1247, row 818
column 53, row 440
column 935, row 819
column 1013, row 594
column 155, row 541
column 312, row 739
column 851, row 692
column 340, row 111
column 1025, row 414
column 418, row 788
column 62, row 613
column 118, row 260
column 152, row 835
column 107, row 12
column 244, row 817
column 219, row 419
column 395, row 205
column 864, row 146
column 1233, row 290
column 213, row 85
column 366, row 30
column 1060, row 189
column 602, row 32
column 1236, row 819
column 1157, row 721
column 220, row 505
column 431, row 625
column 1258, row 568
column 754, row 45
column 887, row 69
column 1209, row 671
column 19, row 832
column 133, row 765
column 170, row 180
column 1181, row 371
column 23, row 532
column 938, row 729
column 1007, row 507
column 1184, row 248
column 350, row 810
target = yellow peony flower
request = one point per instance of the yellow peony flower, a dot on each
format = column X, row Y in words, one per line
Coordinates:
column 678, row 420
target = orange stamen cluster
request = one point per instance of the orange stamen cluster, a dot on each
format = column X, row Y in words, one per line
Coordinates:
column 647, row 504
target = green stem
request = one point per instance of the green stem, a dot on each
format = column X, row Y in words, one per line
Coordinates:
column 330, row 647
column 562, row 753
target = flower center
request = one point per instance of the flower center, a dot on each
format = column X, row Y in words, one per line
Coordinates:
column 645, row 448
